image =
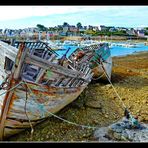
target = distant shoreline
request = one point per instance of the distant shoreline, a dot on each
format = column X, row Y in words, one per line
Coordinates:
column 134, row 53
column 80, row 38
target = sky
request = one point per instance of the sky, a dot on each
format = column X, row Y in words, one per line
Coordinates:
column 19, row 17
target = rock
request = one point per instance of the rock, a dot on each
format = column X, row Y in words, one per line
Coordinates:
column 123, row 131
column 101, row 133
column 106, row 116
column 123, row 99
column 128, row 70
column 117, row 136
column 108, row 86
column 86, row 135
column 123, row 138
column 138, row 111
column 94, row 104
column 119, row 130
column 125, row 135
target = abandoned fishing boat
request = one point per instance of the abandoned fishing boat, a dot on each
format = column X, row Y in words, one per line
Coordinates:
column 98, row 56
column 34, row 83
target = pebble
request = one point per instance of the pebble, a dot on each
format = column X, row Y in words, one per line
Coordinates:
column 117, row 136
column 106, row 116
column 108, row 86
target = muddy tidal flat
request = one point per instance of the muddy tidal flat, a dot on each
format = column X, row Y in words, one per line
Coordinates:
column 98, row 105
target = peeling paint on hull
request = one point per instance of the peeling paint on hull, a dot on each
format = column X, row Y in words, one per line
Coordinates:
column 16, row 117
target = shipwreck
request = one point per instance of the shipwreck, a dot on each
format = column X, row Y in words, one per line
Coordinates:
column 34, row 82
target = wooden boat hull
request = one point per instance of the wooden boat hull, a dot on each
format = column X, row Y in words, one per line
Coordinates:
column 40, row 103
column 37, row 86
column 98, row 56
column 98, row 71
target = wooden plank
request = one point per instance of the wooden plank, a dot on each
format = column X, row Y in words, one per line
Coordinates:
column 8, row 50
column 7, row 100
column 14, row 123
column 4, row 113
column 21, row 61
column 31, row 59
column 8, row 132
column 42, row 71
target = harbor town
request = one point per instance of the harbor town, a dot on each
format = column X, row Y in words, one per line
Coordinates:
column 100, row 32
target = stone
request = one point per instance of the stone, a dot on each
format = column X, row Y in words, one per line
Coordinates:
column 128, row 70
column 108, row 86
column 94, row 104
column 106, row 116
column 119, row 130
column 117, row 136
column 123, row 99
column 101, row 134
column 123, row 131
column 123, row 138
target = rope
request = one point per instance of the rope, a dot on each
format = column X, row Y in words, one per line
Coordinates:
column 125, row 108
column 113, row 86
column 11, row 88
column 5, row 83
column 32, row 130
column 98, row 77
column 76, row 124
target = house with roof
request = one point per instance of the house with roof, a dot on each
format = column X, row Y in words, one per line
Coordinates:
column 131, row 31
column 112, row 29
column 95, row 28
column 102, row 28
column 140, row 33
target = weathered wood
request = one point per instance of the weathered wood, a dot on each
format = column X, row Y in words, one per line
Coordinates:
column 8, row 96
column 4, row 112
column 54, row 67
column 8, row 50
column 21, row 61
column 42, row 71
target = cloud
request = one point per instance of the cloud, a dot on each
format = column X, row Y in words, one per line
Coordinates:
column 17, row 12
column 12, row 16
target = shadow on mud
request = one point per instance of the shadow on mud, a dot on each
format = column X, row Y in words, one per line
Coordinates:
column 115, row 78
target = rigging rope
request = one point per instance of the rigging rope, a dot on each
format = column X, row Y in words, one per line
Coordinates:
column 126, row 112
column 12, row 88
column 112, row 85
column 32, row 130
column 98, row 77
column 83, row 126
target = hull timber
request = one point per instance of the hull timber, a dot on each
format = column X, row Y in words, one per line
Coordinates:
column 39, row 106
column 35, row 85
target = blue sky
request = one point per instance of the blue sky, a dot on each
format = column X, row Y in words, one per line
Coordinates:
column 16, row 17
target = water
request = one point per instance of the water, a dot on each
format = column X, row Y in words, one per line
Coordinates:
column 115, row 50
column 63, row 51
column 122, row 51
